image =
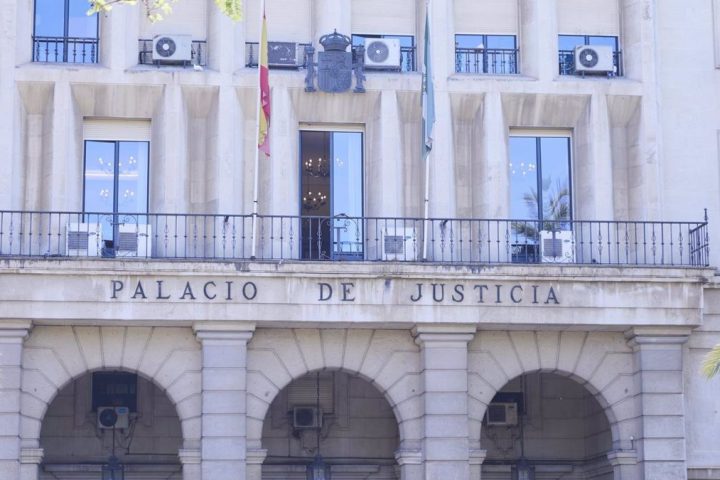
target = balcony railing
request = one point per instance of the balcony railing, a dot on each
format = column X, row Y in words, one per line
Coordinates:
column 252, row 51
column 566, row 63
column 495, row 61
column 198, row 52
column 342, row 238
column 65, row 49
column 407, row 59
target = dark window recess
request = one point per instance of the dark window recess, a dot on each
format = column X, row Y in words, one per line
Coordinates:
column 114, row 389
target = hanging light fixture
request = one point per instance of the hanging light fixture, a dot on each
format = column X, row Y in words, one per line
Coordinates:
column 523, row 470
column 318, row 469
column 113, row 470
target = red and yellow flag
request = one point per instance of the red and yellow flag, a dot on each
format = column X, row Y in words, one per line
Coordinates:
column 264, row 114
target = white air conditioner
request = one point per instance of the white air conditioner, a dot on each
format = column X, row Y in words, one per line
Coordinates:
column 502, row 414
column 172, row 48
column 382, row 53
column 134, row 240
column 113, row 417
column 557, row 247
column 594, row 58
column 83, row 239
column 284, row 54
column 307, row 417
column 399, row 244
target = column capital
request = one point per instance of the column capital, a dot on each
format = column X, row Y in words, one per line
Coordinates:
column 477, row 456
column 32, row 456
column 406, row 456
column 622, row 457
column 255, row 456
column 224, row 331
column 14, row 330
column 638, row 336
column 440, row 333
column 189, row 456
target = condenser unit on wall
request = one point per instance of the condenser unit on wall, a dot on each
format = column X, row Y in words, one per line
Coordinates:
column 307, row 417
column 285, row 54
column 113, row 417
column 172, row 48
column 134, row 240
column 502, row 414
column 382, row 53
column 594, row 59
column 83, row 239
column 399, row 244
column 557, row 247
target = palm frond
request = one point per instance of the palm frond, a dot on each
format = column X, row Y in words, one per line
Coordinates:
column 711, row 362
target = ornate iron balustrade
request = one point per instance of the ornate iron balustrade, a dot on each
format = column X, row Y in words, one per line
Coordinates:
column 342, row 238
column 496, row 61
column 566, row 63
column 407, row 59
column 65, row 50
column 252, row 50
column 198, row 52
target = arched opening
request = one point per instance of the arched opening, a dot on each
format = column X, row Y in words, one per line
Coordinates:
column 78, row 440
column 549, row 426
column 356, row 428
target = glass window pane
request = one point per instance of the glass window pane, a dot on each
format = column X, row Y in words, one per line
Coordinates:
column 80, row 24
column 99, row 195
column 501, row 41
column 470, row 41
column 347, row 192
column 50, row 18
column 555, row 168
column 609, row 41
column 523, row 178
column 133, row 178
column 569, row 42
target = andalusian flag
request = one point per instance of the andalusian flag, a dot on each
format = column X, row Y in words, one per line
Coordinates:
column 428, row 92
column 264, row 103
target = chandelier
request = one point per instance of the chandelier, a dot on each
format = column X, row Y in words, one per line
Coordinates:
column 523, row 168
column 316, row 168
column 313, row 201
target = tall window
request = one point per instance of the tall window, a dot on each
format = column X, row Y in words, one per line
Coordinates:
column 566, row 51
column 540, row 191
column 116, row 192
column 407, row 48
column 63, row 32
column 331, row 195
column 494, row 54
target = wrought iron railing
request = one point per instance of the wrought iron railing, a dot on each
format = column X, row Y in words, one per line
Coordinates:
column 407, row 59
column 496, row 61
column 65, row 49
column 342, row 238
column 566, row 63
column 198, row 52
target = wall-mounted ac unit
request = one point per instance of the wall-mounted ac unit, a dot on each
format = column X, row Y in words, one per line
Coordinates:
column 83, row 239
column 113, row 417
column 594, row 59
column 399, row 244
column 382, row 53
column 557, row 247
column 172, row 48
column 307, row 417
column 502, row 414
column 284, row 54
column 134, row 240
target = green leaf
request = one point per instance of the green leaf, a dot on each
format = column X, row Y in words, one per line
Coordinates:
column 711, row 363
column 231, row 8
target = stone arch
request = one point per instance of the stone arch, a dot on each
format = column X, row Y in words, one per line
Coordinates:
column 388, row 359
column 55, row 356
column 602, row 362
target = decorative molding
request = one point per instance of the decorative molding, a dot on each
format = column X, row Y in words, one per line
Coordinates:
column 408, row 457
column 32, row 455
column 622, row 457
column 255, row 456
column 189, row 456
column 477, row 456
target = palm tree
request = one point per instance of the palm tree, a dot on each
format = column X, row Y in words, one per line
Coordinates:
column 711, row 363
column 556, row 210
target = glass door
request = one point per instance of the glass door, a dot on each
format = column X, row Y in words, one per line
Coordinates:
column 331, row 199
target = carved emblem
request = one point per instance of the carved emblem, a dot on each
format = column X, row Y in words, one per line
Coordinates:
column 335, row 65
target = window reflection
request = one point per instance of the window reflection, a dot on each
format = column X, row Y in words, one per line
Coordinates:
column 331, row 200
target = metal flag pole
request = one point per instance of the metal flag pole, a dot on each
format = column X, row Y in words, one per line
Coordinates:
column 427, row 97
column 253, row 239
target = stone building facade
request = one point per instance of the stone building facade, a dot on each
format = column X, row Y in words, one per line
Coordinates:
column 548, row 321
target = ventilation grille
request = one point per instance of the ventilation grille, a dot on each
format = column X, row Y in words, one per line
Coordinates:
column 77, row 240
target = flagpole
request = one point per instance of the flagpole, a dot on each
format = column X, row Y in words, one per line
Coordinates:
column 428, row 100
column 426, row 218
column 253, row 244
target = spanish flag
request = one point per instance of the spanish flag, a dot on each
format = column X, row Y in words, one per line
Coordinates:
column 264, row 103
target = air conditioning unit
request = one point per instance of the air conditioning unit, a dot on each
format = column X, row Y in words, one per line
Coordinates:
column 113, row 417
column 307, row 417
column 172, row 48
column 557, row 247
column 284, row 54
column 83, row 239
column 399, row 244
column 382, row 53
column 502, row 414
column 134, row 240
column 594, row 59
